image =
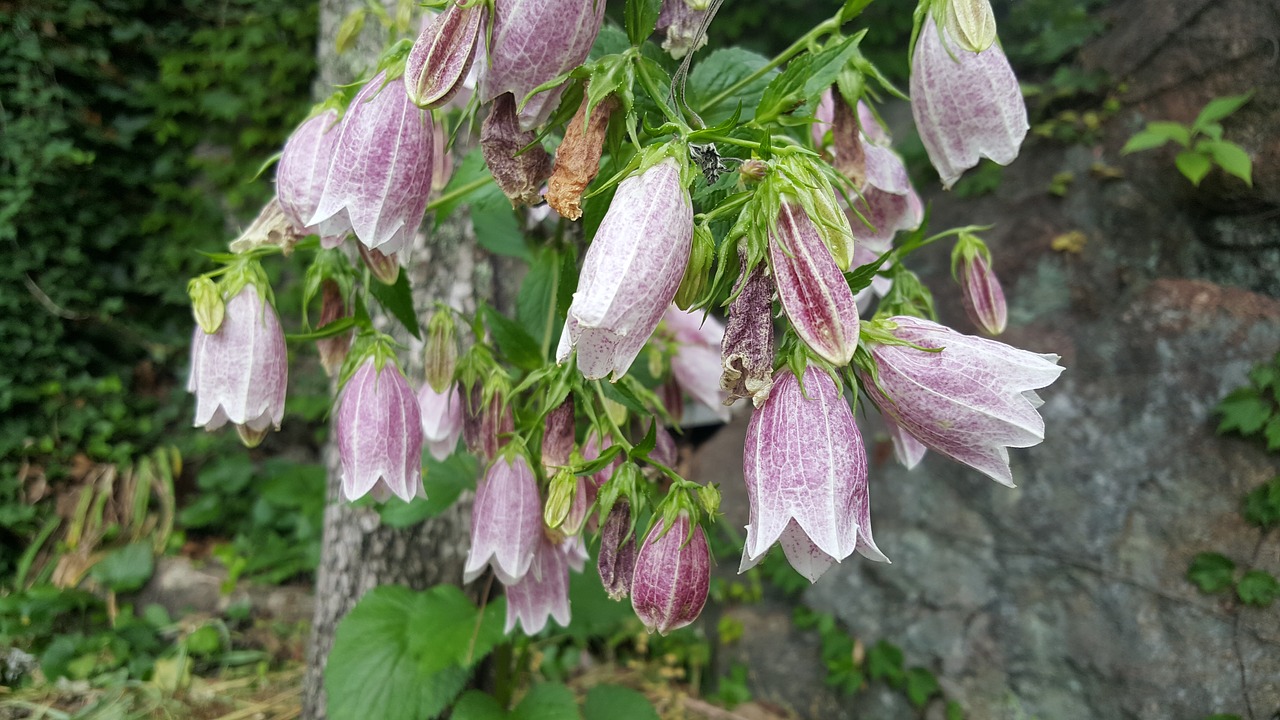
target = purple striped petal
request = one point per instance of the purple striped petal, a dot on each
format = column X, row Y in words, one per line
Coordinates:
column 672, row 577
column 239, row 374
column 440, row 59
column 982, row 295
column 379, row 431
column 506, row 522
column 441, row 419
column 300, row 176
column 813, row 291
column 543, row 592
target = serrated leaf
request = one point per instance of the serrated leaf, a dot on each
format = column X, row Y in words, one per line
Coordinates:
column 443, row 482
column 640, row 17
column 921, row 686
column 475, row 705
column 1211, row 572
column 1243, row 411
column 497, row 229
column 1258, row 588
column 646, row 446
column 513, row 340
column 1219, row 108
column 720, row 71
column 544, row 298
column 1193, row 165
column 547, row 701
column 623, row 394
column 397, row 299
column 1261, row 507
column 614, row 702
column 1231, row 158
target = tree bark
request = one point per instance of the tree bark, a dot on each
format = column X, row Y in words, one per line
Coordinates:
column 358, row 553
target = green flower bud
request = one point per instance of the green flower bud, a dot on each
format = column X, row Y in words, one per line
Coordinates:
column 971, row 24
column 442, row 350
column 206, row 304
column 697, row 273
column 560, row 497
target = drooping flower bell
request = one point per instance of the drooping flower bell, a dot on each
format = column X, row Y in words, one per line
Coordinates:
column 379, row 431
column 806, row 473
column 979, row 287
column 439, row 61
column 543, row 591
column 971, row 401
column 300, row 176
column 813, row 291
column 518, row 162
column 672, row 575
column 441, row 419
column 907, row 450
column 967, row 105
column 506, row 522
column 240, row 371
column 532, row 42
column 631, row 272
column 696, row 362
column 681, row 20
column 617, row 561
column 380, row 174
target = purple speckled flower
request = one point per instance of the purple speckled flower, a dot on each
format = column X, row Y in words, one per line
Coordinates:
column 671, row 577
column 441, row 419
column 813, row 291
column 441, row 57
column 380, row 175
column 966, row 105
column 617, row 561
column 506, row 522
column 696, row 362
column 747, row 351
column 906, row 449
column 379, row 432
column 543, row 591
column 631, row 272
column 680, row 20
column 534, row 41
column 982, row 295
column 300, row 176
column 970, row 402
column 806, row 474
column 239, row 373
column 557, row 437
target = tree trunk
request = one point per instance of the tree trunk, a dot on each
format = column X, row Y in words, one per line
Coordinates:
column 359, row 554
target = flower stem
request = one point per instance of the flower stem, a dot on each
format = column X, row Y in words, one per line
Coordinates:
column 464, row 190
column 651, row 87
column 796, row 47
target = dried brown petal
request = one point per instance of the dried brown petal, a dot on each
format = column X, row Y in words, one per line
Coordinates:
column 271, row 227
column 747, row 351
column 519, row 174
column 578, row 157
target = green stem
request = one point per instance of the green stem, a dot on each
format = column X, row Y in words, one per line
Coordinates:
column 796, row 47
column 728, row 207
column 651, row 87
column 613, row 426
column 465, row 189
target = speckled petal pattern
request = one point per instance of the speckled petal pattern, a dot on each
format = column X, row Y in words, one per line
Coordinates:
column 672, row 576
column 543, row 592
column 240, row 373
column 813, row 291
column 506, row 522
column 379, row 432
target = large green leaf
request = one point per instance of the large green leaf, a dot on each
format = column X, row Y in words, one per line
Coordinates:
column 641, row 17
column 125, row 569
column 397, row 299
column 720, row 71
column 497, row 229
column 513, row 340
column 545, row 701
column 614, row 702
column 544, row 297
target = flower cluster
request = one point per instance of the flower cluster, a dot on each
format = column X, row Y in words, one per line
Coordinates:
column 802, row 247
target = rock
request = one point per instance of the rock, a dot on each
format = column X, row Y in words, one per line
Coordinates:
column 181, row 587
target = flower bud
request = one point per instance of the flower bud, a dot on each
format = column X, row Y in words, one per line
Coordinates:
column 506, row 521
column 753, row 170
column 672, row 575
column 441, row 358
column 206, row 304
column 487, row 418
column 441, row 419
column 439, row 60
column 971, row 23
column 557, row 437
column 979, row 287
column 385, row 267
column 746, row 354
column 560, row 495
column 813, row 291
column 697, row 274
column 617, row 561
column 379, row 431
column 333, row 350
column 578, row 157
column 300, row 175
column 518, row 162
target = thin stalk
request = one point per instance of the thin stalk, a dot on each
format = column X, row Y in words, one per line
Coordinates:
column 796, row 47
column 465, row 189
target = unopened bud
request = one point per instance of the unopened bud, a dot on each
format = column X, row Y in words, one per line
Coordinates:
column 709, row 499
column 442, row 351
column 753, row 170
column 698, row 272
column 385, row 267
column 442, row 55
column 557, row 437
column 617, row 560
column 333, row 350
column 206, row 304
column 560, row 495
column 971, row 24
column 249, row 437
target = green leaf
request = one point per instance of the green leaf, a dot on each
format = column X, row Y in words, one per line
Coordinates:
column 125, row 569
column 497, row 229
column 614, row 702
column 397, row 299
column 1261, row 507
column 884, row 662
column 1258, row 588
column 623, row 394
column 954, row 711
column 1176, row 132
column 1144, row 140
column 513, row 341
column 921, row 686
column 641, row 17
column 545, row 295
column 443, row 481
column 405, row 655
column 646, row 446
column 1219, row 108
column 1264, row 376
column 471, row 168
column 720, row 71
column 1193, row 165
column 476, row 705
column 1272, row 433
column 547, row 701
column 1211, row 572
column 1231, row 158
column 1243, row 411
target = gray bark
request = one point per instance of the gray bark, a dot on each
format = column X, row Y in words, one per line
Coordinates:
column 358, row 554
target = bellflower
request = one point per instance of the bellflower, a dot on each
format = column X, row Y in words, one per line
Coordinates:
column 441, row 419
column 534, row 41
column 557, row 437
column 672, row 576
column 380, row 175
column 970, row 402
column 379, row 431
column 813, row 291
column 239, row 373
column 631, row 272
column 967, row 105
column 906, row 449
column 506, row 522
column 980, row 290
column 543, row 591
column 439, row 60
column 333, row 306
column 806, row 473
column 681, row 20
column 300, row 176
column 696, row 362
